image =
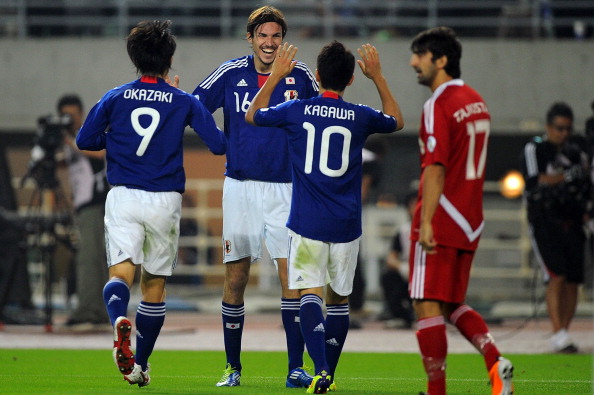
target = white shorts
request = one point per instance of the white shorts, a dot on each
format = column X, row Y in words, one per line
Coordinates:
column 144, row 227
column 252, row 211
column 314, row 263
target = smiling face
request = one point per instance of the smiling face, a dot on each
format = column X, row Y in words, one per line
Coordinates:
column 265, row 41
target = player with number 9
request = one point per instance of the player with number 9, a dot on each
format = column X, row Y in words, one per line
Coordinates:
column 141, row 125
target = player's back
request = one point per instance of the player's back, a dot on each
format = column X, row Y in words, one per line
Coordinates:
column 326, row 137
column 146, row 120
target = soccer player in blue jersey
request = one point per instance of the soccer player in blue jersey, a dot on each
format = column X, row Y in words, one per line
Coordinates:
column 257, row 187
column 141, row 125
column 326, row 138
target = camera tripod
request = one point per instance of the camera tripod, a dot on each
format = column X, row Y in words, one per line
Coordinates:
column 47, row 209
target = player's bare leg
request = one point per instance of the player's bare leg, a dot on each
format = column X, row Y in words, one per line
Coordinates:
column 237, row 275
column 283, row 276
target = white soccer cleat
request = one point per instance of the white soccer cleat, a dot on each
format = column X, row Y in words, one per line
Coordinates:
column 138, row 376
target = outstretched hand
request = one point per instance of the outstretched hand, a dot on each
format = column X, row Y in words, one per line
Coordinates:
column 369, row 62
column 175, row 82
column 284, row 63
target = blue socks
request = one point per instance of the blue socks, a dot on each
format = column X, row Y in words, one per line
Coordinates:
column 337, row 328
column 233, row 318
column 116, row 296
column 314, row 330
column 295, row 343
column 149, row 320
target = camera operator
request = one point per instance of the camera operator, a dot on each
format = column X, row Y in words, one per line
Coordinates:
column 86, row 170
column 556, row 168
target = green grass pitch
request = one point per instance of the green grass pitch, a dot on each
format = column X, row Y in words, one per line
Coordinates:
column 24, row 371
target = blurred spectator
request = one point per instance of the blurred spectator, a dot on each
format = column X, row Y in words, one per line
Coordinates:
column 394, row 279
column 88, row 182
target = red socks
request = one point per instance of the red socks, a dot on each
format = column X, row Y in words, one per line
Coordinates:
column 474, row 329
column 433, row 344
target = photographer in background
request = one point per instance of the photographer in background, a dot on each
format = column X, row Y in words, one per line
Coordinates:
column 556, row 168
column 86, row 170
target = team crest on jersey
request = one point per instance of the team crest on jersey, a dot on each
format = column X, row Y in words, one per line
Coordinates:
column 431, row 143
column 291, row 94
column 227, row 247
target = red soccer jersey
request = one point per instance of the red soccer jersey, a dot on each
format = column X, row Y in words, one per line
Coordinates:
column 454, row 132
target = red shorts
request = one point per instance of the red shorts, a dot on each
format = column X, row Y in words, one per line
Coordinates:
column 442, row 276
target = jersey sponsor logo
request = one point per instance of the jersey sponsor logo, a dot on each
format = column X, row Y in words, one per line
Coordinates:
column 290, row 80
column 148, row 95
column 242, row 83
column 227, row 246
column 329, row 112
column 120, row 253
column 232, row 325
column 299, row 278
column 291, row 94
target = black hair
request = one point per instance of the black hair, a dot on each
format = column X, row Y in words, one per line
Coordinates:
column 151, row 46
column 440, row 41
column 69, row 100
column 335, row 65
column 263, row 15
column 559, row 109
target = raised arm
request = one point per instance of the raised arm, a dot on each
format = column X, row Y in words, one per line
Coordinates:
column 372, row 69
column 282, row 66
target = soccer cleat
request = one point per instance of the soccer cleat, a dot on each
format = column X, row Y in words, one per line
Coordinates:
column 122, row 354
column 138, row 376
column 332, row 387
column 320, row 383
column 501, row 377
column 231, row 377
column 299, row 378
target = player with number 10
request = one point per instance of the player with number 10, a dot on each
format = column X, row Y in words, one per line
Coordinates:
column 326, row 138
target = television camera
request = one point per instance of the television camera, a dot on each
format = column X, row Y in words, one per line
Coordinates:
column 48, row 138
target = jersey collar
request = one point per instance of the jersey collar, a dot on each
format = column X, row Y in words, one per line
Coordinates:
column 331, row 95
column 149, row 79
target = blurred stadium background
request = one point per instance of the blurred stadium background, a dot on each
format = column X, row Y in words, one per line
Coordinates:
column 522, row 55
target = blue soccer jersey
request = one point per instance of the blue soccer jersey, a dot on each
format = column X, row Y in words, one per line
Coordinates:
column 253, row 153
column 326, row 137
column 141, row 124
